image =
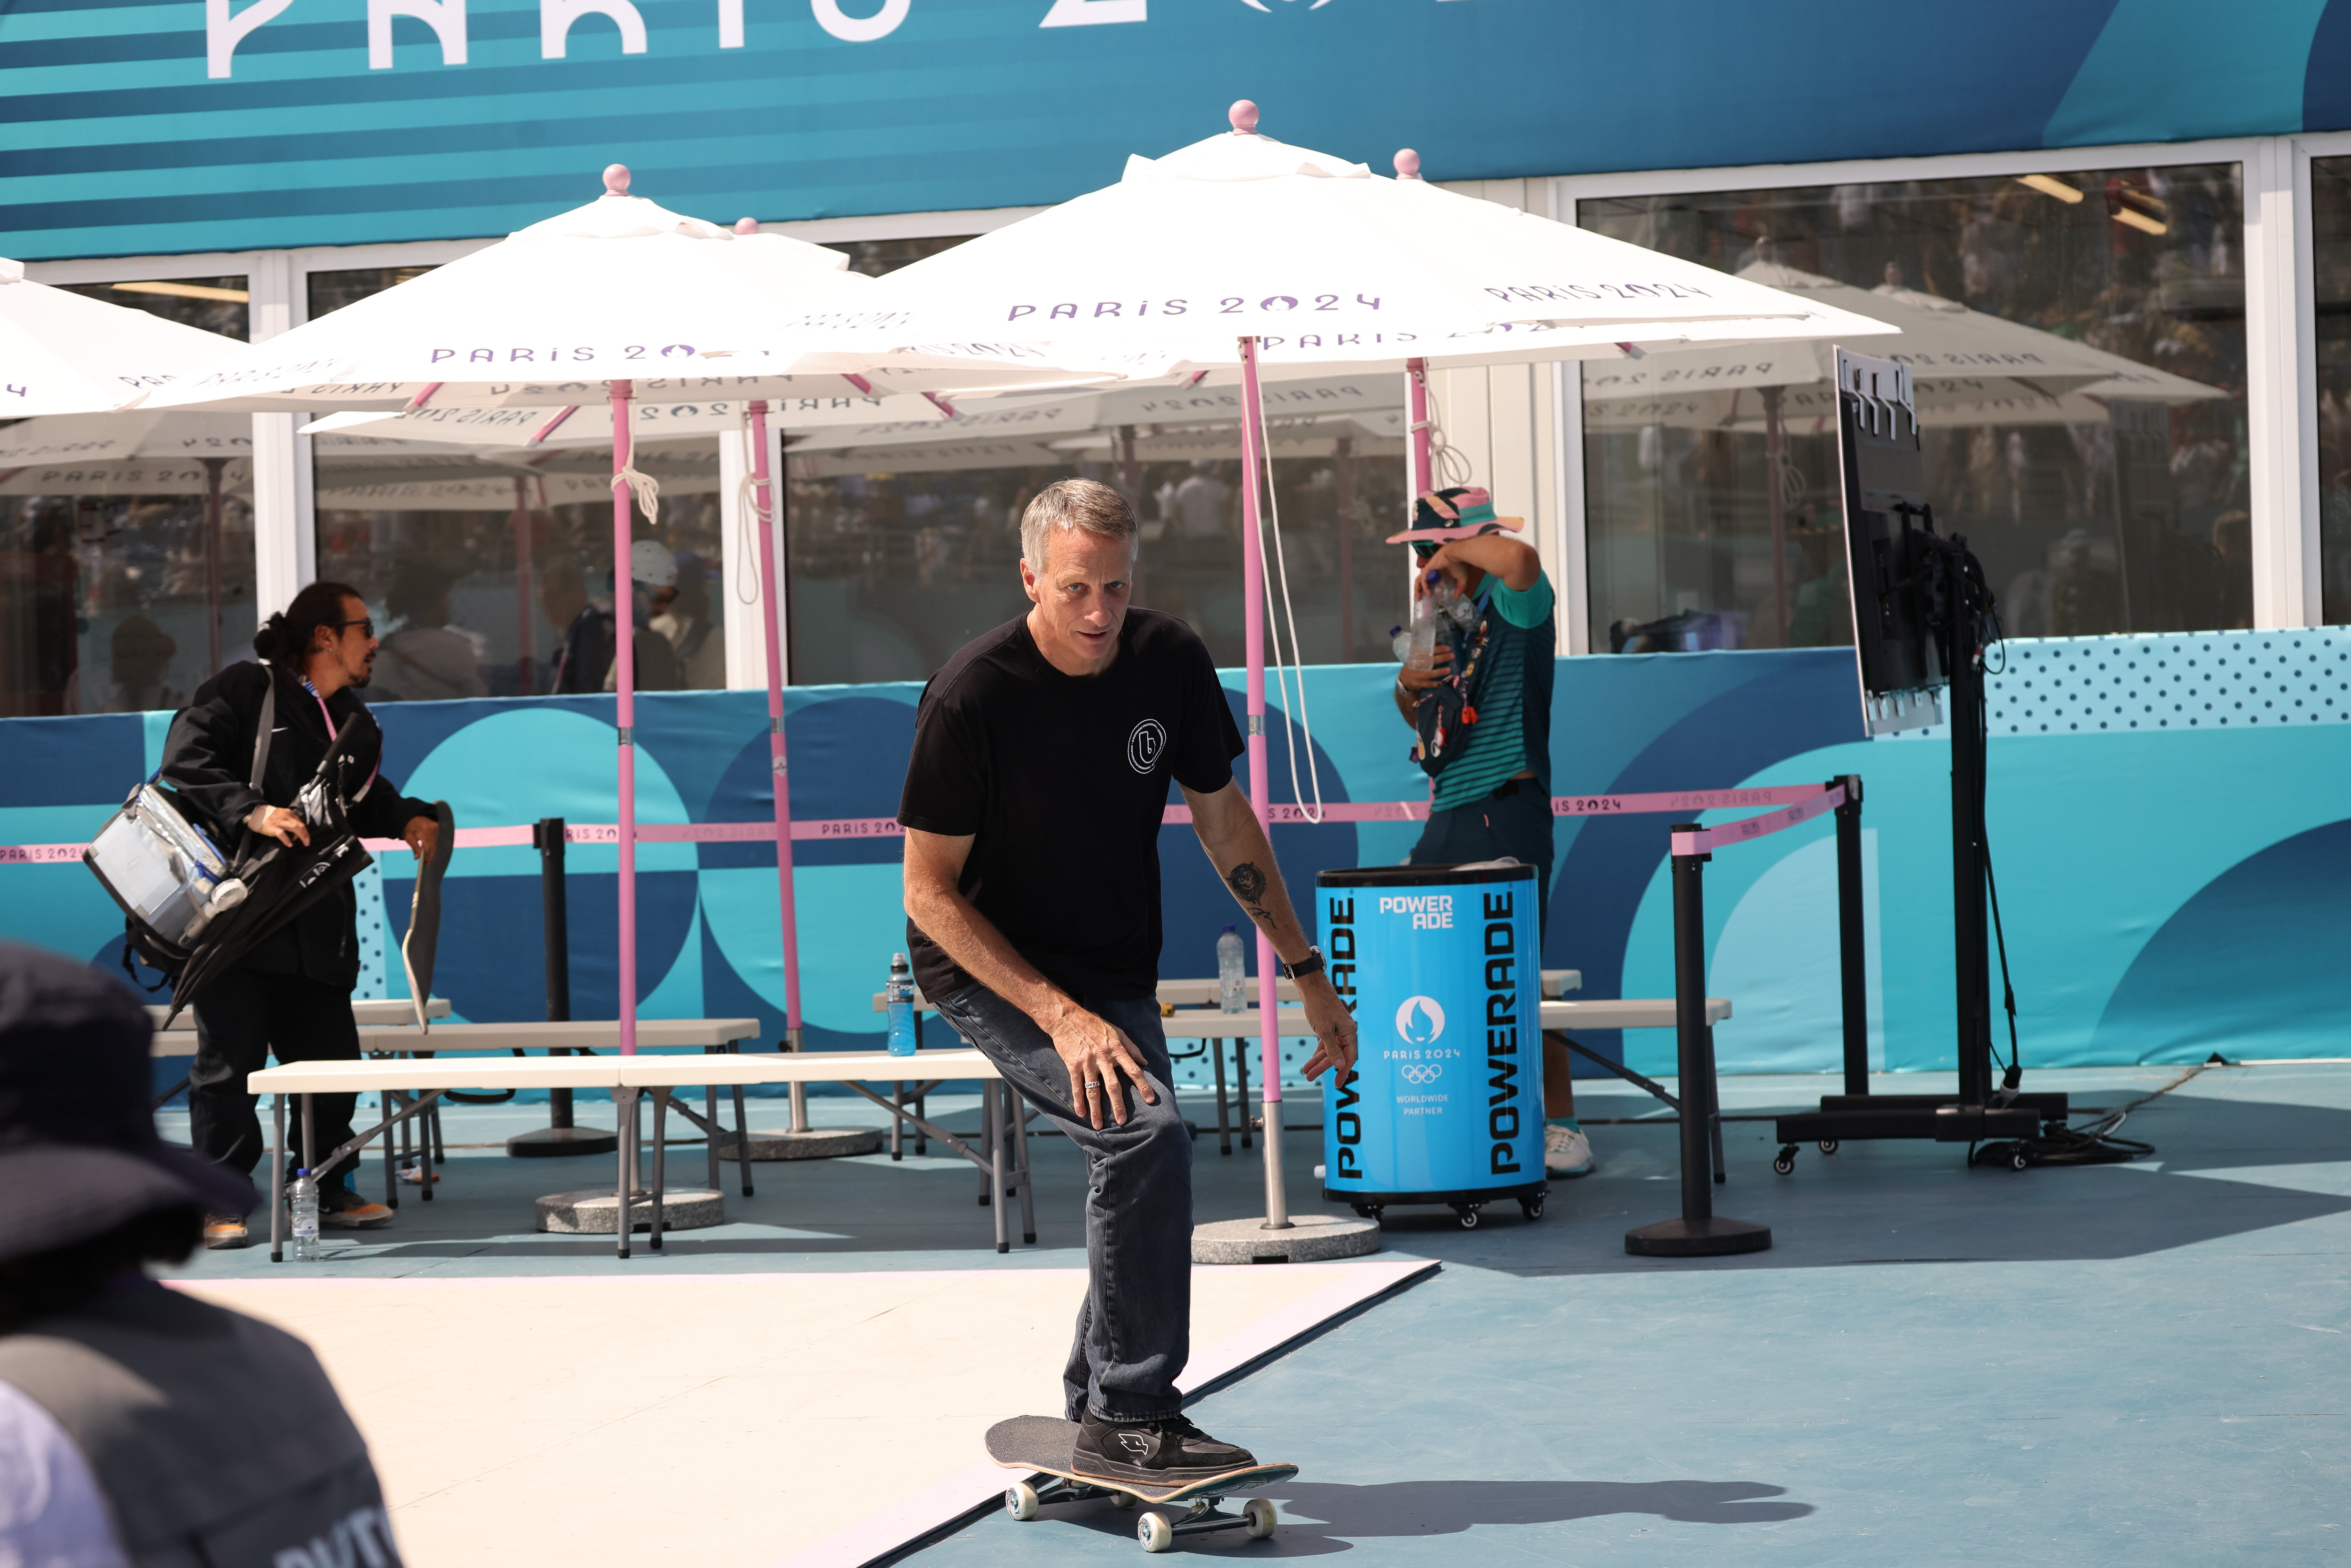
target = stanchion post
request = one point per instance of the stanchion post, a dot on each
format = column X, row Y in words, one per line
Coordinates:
column 1852, row 954
column 1689, row 1035
column 555, row 923
column 1699, row 1233
column 561, row 1135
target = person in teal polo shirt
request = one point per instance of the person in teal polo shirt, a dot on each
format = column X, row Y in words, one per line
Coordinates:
column 1483, row 715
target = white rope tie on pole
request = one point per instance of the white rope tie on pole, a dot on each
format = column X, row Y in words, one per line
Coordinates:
column 647, row 491
column 1447, row 466
column 753, row 512
column 1281, row 679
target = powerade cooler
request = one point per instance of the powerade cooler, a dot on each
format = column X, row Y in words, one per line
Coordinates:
column 1441, row 967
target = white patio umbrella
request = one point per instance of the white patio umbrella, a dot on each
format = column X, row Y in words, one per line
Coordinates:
column 63, row 353
column 1189, row 400
column 1243, row 253
column 573, row 311
column 654, row 419
column 1957, row 357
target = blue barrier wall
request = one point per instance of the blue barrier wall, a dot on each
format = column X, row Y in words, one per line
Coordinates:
column 2169, row 823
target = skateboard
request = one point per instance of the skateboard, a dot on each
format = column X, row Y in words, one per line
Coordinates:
column 1043, row 1444
column 421, row 945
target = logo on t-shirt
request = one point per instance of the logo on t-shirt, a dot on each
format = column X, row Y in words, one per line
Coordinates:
column 1144, row 744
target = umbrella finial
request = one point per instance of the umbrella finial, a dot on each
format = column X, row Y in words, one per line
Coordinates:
column 1407, row 165
column 616, row 179
column 746, row 225
column 1244, row 118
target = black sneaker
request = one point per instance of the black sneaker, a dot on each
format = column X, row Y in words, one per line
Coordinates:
column 1170, row 1452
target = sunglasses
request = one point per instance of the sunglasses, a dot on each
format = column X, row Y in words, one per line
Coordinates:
column 366, row 625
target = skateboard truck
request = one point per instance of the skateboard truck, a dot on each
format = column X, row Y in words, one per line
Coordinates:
column 1156, row 1527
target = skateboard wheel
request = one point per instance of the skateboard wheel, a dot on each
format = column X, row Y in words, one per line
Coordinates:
column 1020, row 1500
column 1124, row 1500
column 1152, row 1528
column 1261, row 1518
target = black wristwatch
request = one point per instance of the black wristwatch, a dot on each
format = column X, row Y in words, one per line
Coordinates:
column 1310, row 965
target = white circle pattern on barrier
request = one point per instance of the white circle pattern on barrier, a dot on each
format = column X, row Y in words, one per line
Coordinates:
column 2165, row 681
column 2218, row 680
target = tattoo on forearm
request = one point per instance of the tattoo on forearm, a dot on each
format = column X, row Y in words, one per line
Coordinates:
column 1248, row 885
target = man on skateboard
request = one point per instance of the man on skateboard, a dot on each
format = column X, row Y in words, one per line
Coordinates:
column 1032, row 806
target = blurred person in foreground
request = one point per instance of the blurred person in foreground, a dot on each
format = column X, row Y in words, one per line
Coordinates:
column 1491, row 681
column 141, row 1427
column 1043, row 754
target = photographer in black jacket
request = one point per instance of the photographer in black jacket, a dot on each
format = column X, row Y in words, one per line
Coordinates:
column 292, row 993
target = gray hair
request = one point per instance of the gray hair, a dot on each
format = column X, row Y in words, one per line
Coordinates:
column 1070, row 504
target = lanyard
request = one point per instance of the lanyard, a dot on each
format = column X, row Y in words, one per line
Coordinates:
column 329, row 719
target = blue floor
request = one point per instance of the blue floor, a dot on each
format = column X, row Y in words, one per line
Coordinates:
column 2143, row 1366
column 2146, row 1365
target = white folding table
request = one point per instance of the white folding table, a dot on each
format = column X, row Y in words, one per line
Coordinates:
column 415, row 1083
column 372, row 1010
column 1003, row 1154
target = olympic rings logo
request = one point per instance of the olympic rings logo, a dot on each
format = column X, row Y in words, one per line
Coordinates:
column 1423, row 1074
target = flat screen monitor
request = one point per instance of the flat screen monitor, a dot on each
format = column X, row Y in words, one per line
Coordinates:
column 1885, row 515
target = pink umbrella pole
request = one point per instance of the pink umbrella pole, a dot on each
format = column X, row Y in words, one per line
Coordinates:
column 624, row 684
column 764, row 486
column 1268, row 996
column 1418, row 370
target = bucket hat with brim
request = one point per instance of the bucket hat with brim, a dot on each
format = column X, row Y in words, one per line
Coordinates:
column 78, row 1150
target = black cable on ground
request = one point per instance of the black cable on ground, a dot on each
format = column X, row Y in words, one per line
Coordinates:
column 2094, row 1145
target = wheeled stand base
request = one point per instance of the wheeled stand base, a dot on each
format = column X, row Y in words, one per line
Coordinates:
column 1937, row 1118
column 1158, row 1526
column 1466, row 1205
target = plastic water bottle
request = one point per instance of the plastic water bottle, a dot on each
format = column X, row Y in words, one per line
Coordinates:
column 1450, row 605
column 305, row 1204
column 898, row 996
column 1420, row 653
column 1232, row 977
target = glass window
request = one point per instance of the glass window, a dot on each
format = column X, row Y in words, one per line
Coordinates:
column 330, row 291
column 489, row 570
column 2079, row 345
column 126, row 575
column 897, row 563
column 214, row 304
column 2330, row 193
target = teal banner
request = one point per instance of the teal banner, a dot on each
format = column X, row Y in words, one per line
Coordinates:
column 128, row 127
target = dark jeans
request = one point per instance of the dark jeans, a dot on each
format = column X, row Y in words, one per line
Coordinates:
column 1514, row 821
column 243, row 1016
column 1134, row 1329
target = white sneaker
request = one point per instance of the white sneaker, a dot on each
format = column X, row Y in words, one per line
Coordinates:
column 1566, row 1151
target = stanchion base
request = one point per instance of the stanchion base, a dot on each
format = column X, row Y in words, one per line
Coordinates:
column 816, row 1143
column 543, row 1143
column 1311, row 1239
column 595, row 1212
column 1714, row 1238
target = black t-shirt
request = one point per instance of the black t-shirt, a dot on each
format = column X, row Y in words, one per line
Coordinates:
column 1062, row 781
